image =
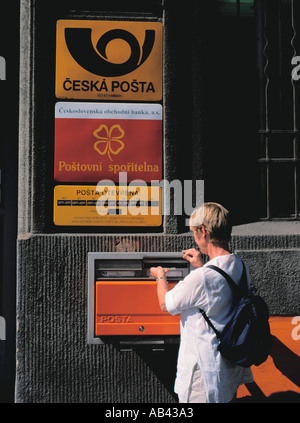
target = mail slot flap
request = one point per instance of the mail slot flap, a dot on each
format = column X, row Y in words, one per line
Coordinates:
column 165, row 262
column 139, row 268
column 178, row 268
column 120, row 264
column 121, row 269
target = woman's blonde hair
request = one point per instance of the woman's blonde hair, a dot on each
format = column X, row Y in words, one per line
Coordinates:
column 216, row 220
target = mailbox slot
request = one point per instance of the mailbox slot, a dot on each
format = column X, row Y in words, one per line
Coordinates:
column 123, row 304
column 139, row 269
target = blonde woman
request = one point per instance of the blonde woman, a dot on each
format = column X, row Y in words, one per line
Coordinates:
column 203, row 375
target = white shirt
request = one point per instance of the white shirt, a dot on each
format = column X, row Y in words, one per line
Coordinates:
column 206, row 289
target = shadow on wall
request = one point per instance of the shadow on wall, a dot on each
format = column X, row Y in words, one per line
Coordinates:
column 163, row 363
column 288, row 363
column 282, row 361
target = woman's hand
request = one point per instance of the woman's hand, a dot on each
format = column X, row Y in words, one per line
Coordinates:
column 158, row 272
column 193, row 256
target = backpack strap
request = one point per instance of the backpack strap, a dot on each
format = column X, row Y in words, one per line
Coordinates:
column 218, row 335
column 237, row 292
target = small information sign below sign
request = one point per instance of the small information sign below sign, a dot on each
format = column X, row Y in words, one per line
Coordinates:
column 104, row 205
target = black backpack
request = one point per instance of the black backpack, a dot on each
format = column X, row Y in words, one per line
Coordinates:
column 246, row 338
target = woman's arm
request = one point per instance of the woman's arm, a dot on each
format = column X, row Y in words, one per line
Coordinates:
column 162, row 285
column 186, row 294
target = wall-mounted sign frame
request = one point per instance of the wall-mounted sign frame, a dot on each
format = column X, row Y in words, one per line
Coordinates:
column 109, row 60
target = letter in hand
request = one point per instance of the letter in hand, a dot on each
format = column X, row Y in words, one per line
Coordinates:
column 193, row 256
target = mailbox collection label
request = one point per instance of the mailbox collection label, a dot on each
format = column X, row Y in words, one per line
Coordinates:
column 103, row 205
column 94, row 141
column 111, row 60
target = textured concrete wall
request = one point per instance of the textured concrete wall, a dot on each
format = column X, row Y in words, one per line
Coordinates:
column 55, row 364
column 271, row 250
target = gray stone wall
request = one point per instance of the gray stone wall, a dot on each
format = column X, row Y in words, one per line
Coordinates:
column 55, row 363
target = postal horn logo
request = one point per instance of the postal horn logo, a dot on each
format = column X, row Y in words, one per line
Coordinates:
column 79, row 43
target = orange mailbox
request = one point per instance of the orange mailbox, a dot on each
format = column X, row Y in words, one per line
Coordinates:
column 123, row 299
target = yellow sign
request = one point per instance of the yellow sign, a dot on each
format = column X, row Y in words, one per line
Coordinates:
column 109, row 60
column 105, row 205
